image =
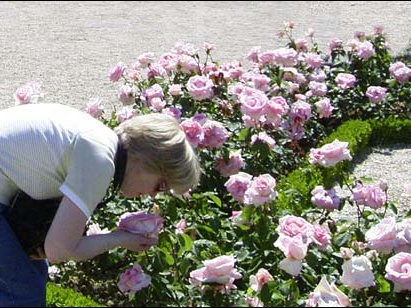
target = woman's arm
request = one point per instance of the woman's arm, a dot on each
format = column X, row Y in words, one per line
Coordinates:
column 65, row 239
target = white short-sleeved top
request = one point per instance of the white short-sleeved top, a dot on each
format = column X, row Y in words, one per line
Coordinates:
column 51, row 150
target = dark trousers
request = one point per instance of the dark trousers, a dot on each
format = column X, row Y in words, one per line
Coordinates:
column 22, row 280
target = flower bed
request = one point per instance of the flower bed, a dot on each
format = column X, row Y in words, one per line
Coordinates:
column 274, row 141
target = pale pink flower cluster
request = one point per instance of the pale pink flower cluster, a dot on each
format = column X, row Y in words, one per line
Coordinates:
column 345, row 80
column 325, row 198
column 117, row 71
column 390, row 236
column 330, row 154
column 153, row 97
column 133, row 280
column 203, row 132
column 233, row 166
column 141, row 222
column 220, row 270
column 264, row 138
column 357, row 273
column 400, row 72
column 398, row 270
column 180, row 226
column 327, row 295
column 256, row 107
column 369, row 195
column 28, row 93
column 376, row 94
column 250, row 190
column 200, row 87
column 295, row 236
column 324, row 108
column 95, row 107
column 365, row 50
column 259, row 279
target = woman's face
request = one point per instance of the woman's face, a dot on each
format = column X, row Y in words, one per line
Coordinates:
column 138, row 182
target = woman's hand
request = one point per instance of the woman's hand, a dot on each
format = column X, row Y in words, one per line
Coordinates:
column 136, row 242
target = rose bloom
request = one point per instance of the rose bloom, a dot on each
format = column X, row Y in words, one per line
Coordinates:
column 383, row 236
column 357, row 273
column 220, row 270
column 325, row 199
column 324, row 108
column 345, row 80
column 259, row 279
column 376, row 94
column 291, row 266
column 294, row 247
column 237, row 184
column 215, row 134
column 133, row 280
column 193, row 130
column 326, row 295
column 116, row 72
column 398, row 270
column 261, row 190
column 200, row 87
column 321, row 236
column 95, row 107
column 141, row 222
column 369, row 195
column 294, row 225
column 233, row 166
column 330, row 154
column 28, row 93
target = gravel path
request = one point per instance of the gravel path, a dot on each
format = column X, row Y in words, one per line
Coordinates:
column 69, row 46
column 389, row 164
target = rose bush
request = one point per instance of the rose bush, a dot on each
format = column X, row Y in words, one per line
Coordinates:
column 229, row 242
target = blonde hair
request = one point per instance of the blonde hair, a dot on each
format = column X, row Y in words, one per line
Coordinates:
column 160, row 145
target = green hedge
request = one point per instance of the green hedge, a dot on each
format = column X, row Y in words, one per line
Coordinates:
column 295, row 189
column 58, row 296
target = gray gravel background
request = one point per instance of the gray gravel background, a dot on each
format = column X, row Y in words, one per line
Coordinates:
column 69, row 46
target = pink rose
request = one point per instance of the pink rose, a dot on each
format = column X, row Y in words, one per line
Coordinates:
column 237, row 184
column 215, row 134
column 325, row 199
column 28, row 93
column 345, row 80
column 357, row 273
column 383, row 236
column 95, row 107
column 233, row 166
column 219, row 270
column 200, row 87
column 259, row 279
column 398, row 270
column 294, row 225
column 326, row 295
column 193, row 130
column 330, row 154
column 141, row 222
column 116, row 72
column 133, row 280
column 291, row 266
column 293, row 247
column 261, row 190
